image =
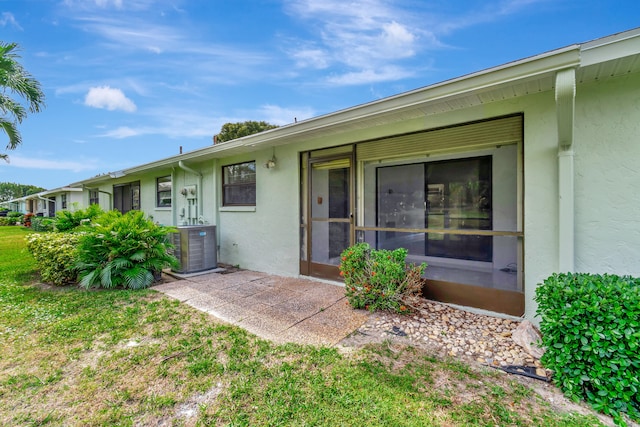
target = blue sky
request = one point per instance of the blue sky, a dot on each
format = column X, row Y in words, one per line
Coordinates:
column 130, row 81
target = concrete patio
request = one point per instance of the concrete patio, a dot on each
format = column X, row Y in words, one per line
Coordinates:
column 281, row 309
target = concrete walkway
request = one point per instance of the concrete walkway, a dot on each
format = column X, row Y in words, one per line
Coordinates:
column 280, row 309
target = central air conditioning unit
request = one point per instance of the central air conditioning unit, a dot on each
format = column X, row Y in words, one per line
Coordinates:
column 195, row 247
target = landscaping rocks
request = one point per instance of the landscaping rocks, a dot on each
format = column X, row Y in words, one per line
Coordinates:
column 526, row 336
column 450, row 332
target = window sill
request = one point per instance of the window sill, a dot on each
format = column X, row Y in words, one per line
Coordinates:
column 237, row 209
column 167, row 208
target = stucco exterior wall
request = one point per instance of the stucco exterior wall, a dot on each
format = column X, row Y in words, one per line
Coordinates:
column 607, row 176
column 265, row 238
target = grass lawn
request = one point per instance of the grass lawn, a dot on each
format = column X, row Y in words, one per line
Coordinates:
column 80, row 358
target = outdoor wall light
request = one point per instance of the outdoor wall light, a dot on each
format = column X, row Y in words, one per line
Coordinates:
column 271, row 163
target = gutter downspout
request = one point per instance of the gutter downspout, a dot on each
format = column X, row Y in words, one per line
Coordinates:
column 174, row 207
column 199, row 175
column 46, row 206
column 565, row 110
column 217, row 202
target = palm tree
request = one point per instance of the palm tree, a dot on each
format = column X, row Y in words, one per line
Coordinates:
column 15, row 80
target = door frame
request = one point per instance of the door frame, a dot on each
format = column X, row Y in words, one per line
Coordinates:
column 307, row 266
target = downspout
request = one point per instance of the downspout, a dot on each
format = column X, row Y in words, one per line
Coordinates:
column 565, row 110
column 199, row 175
column 46, row 206
column 217, row 202
column 174, row 207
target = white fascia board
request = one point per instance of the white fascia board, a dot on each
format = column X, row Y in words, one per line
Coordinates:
column 60, row 190
column 610, row 48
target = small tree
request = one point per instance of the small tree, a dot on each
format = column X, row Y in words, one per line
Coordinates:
column 14, row 79
column 230, row 131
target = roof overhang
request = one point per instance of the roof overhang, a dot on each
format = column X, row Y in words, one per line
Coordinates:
column 596, row 60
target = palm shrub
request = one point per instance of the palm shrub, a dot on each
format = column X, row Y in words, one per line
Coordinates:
column 590, row 326
column 123, row 251
column 67, row 220
column 380, row 279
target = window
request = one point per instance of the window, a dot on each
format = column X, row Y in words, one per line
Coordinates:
column 126, row 197
column 63, row 201
column 458, row 197
column 239, row 184
column 94, row 197
column 163, row 192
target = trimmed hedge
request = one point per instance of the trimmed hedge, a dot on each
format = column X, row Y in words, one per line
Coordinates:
column 56, row 255
column 590, row 326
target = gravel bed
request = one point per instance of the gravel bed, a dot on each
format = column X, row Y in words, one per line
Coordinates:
column 450, row 331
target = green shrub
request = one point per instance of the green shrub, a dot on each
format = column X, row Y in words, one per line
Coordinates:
column 55, row 255
column 379, row 279
column 12, row 218
column 70, row 220
column 38, row 223
column 591, row 329
column 123, row 251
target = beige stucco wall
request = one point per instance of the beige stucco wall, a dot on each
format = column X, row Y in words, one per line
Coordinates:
column 265, row 238
column 607, row 177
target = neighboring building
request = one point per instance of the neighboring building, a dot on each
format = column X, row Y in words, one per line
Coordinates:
column 46, row 203
column 496, row 179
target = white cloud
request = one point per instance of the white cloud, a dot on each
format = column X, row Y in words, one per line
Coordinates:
column 184, row 123
column 363, row 35
column 366, row 76
column 280, row 116
column 7, row 18
column 109, row 98
column 34, row 163
column 105, row 3
column 122, row 132
column 311, row 58
column 375, row 39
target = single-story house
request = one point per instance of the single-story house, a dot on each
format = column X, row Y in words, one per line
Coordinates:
column 46, row 203
column 496, row 179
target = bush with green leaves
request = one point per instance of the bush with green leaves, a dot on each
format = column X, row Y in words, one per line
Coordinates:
column 39, row 223
column 380, row 279
column 55, row 255
column 123, row 251
column 591, row 330
column 12, row 218
column 69, row 220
